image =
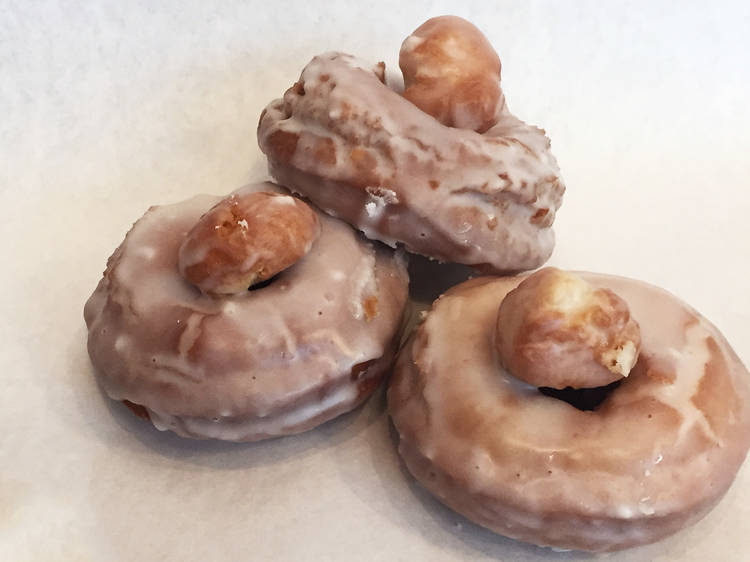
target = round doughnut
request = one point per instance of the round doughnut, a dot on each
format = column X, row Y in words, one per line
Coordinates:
column 281, row 358
column 653, row 457
column 378, row 160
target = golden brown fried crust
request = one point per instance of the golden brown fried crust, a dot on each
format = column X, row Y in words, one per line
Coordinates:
column 244, row 240
column 452, row 72
column 554, row 330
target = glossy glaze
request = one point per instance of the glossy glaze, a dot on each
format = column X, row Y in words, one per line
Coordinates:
column 271, row 361
column 363, row 153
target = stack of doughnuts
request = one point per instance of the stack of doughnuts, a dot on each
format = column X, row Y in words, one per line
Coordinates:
column 578, row 411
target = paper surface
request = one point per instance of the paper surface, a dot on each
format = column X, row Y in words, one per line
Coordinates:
column 107, row 108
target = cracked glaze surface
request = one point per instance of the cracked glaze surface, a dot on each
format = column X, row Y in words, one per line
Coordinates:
column 279, row 359
column 363, row 153
column 655, row 456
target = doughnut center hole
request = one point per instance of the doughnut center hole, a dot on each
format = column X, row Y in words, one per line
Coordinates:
column 584, row 399
column 263, row 284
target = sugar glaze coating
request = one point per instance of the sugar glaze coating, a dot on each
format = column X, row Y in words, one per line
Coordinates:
column 365, row 154
column 276, row 360
column 655, row 456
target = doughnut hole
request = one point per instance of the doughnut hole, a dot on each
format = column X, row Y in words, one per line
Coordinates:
column 556, row 331
column 452, row 72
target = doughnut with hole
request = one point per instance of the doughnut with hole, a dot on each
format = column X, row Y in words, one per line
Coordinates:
column 655, row 455
column 295, row 351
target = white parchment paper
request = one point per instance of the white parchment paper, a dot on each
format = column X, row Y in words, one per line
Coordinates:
column 109, row 107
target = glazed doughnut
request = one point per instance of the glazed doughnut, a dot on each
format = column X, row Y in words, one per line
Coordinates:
column 654, row 456
column 307, row 345
column 378, row 160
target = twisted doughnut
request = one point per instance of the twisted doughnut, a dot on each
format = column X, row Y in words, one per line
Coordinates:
column 364, row 153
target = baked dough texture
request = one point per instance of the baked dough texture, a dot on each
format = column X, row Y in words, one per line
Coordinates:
column 555, row 330
column 279, row 359
column 655, row 456
column 242, row 241
column 368, row 155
